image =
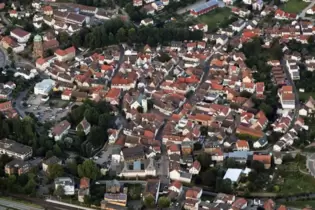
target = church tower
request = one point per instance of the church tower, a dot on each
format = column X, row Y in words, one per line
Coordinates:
column 38, row 50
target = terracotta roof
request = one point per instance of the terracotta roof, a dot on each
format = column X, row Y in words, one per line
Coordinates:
column 41, row 61
column 173, row 148
column 266, row 159
column 5, row 106
column 269, row 204
column 47, row 8
column 196, row 165
column 177, row 184
column 60, row 127
column 193, row 192
column 245, row 130
column 113, row 93
column 242, row 143
column 282, row 207
column 239, row 203
column 84, row 183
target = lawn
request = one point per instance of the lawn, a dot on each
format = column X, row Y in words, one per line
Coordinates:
column 216, row 18
column 294, row 6
column 291, row 181
column 300, row 204
column 304, row 96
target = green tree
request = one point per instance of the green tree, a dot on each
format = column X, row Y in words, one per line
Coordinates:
column 209, row 177
column 59, row 191
column 164, row 202
column 205, row 161
column 9, row 50
column 149, row 201
column 121, row 35
column 55, row 170
column 132, row 35
column 257, row 166
column 89, row 169
column 91, row 115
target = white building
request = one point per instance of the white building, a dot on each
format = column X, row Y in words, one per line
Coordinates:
column 14, row 149
column 44, row 87
column 140, row 168
column 20, row 35
column 66, row 183
column 59, row 130
column 180, row 176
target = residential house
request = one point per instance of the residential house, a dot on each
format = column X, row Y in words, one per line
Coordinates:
column 59, row 130
column 50, row 161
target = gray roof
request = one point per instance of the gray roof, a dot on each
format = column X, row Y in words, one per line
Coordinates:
column 238, row 154
column 15, row 147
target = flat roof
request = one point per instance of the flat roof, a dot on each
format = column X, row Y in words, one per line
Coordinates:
column 233, row 174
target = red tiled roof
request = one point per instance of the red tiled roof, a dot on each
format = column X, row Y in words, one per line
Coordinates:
column 177, row 184
column 196, row 165
column 84, row 183
column 5, row 106
column 113, row 93
column 242, row 143
column 266, row 159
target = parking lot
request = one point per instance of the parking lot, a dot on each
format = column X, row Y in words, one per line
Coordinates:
column 43, row 111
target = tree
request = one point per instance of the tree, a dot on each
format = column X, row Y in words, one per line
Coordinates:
column 56, row 150
column 230, row 163
column 208, row 177
column 91, row 115
column 149, row 201
column 164, row 202
column 104, row 120
column 89, row 169
column 121, row 35
column 9, row 50
column 205, row 160
column 30, row 187
column 59, row 191
column 55, row 170
column 257, row 166
column 63, row 38
column 252, row 176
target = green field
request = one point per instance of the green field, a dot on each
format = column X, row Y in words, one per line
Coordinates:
column 216, row 18
column 300, row 204
column 291, row 181
column 294, row 6
column 305, row 96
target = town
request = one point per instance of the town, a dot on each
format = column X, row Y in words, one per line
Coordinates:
column 171, row 104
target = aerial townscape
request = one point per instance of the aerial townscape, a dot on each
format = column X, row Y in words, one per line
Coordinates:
column 157, row 104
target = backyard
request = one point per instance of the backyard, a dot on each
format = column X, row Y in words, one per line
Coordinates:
column 294, row 6
column 220, row 17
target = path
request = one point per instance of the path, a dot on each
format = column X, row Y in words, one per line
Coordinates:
column 17, row 205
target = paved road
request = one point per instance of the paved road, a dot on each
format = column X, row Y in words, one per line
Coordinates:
column 4, row 19
column 17, row 205
column 302, row 14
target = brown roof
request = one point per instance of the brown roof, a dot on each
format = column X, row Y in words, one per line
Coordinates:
column 84, row 183
column 20, row 32
column 266, row 159
column 193, row 192
column 60, row 127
